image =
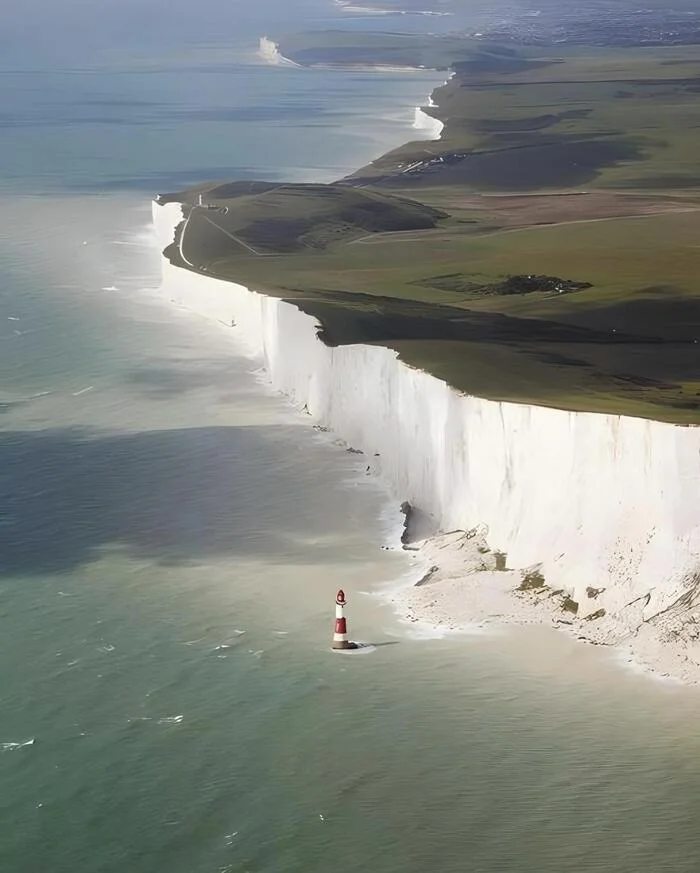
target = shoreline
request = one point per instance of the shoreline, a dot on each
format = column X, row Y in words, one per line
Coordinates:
column 642, row 604
column 269, row 51
column 459, row 586
column 319, row 380
column 465, row 594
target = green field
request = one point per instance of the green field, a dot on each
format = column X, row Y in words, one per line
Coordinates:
column 598, row 118
column 578, row 169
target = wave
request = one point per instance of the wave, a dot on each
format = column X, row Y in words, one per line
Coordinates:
column 359, row 9
column 171, row 719
column 13, row 747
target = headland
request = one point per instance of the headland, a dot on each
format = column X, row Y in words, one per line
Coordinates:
column 505, row 319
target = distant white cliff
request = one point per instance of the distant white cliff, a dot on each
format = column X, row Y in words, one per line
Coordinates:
column 432, row 127
column 608, row 507
column 269, row 51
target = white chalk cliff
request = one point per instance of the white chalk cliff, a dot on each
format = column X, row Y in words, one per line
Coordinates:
column 597, row 501
column 269, row 51
column 432, row 127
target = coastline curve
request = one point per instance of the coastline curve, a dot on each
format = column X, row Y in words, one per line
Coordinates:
column 603, row 506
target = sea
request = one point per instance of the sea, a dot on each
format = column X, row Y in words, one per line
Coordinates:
column 172, row 532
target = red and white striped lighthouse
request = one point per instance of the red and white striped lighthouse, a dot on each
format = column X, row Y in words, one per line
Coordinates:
column 340, row 635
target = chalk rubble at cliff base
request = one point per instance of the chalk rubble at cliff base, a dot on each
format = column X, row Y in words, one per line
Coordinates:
column 604, row 507
column 462, row 587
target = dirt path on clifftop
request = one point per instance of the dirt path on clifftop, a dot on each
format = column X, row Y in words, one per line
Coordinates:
column 509, row 222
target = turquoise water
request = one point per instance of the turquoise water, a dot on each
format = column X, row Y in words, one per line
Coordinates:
column 172, row 533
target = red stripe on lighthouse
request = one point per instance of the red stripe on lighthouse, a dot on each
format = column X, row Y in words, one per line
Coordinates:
column 340, row 626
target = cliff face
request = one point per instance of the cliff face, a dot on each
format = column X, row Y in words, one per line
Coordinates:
column 596, row 501
column 432, row 126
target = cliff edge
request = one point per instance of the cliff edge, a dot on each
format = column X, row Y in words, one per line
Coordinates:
column 602, row 508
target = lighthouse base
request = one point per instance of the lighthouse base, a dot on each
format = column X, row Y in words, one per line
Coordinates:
column 344, row 645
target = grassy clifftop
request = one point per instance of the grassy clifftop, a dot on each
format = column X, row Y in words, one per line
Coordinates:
column 544, row 250
column 267, row 219
column 596, row 117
